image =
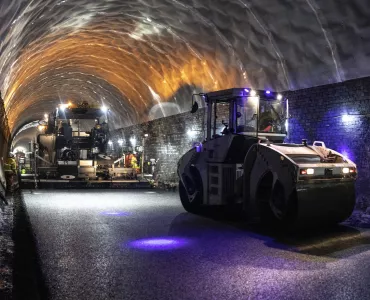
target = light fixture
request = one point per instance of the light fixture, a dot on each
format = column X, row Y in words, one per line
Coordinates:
column 146, row 135
column 133, row 141
column 268, row 92
column 307, row 171
column 45, row 116
column 279, row 96
column 310, row 171
column 110, row 143
column 347, row 118
column 345, row 170
column 191, row 133
column 104, row 108
column 253, row 93
column 120, row 142
column 246, row 90
column 64, row 106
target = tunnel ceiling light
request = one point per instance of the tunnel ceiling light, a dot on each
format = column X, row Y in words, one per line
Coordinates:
column 268, row 92
column 120, row 142
column 110, row 143
column 246, row 90
column 146, row 135
column 253, row 93
column 279, row 96
column 104, row 108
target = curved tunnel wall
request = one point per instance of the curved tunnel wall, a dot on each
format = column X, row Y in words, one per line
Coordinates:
column 139, row 56
column 4, row 140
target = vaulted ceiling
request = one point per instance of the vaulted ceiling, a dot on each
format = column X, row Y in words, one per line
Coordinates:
column 144, row 58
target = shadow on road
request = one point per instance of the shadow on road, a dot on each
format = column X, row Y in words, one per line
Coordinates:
column 323, row 242
column 28, row 281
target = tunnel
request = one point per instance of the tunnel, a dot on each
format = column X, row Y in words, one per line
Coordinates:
column 141, row 62
column 135, row 55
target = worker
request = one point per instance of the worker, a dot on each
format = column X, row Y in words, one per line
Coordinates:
column 10, row 169
column 266, row 120
column 134, row 163
column 128, row 160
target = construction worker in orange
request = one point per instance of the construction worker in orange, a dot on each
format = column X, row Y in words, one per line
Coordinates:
column 128, row 160
column 10, row 168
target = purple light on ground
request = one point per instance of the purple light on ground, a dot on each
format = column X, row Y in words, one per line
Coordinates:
column 115, row 213
column 159, row 243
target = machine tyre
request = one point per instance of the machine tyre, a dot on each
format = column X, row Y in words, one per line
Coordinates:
column 195, row 205
column 278, row 204
column 263, row 196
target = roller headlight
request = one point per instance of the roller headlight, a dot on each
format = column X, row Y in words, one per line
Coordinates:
column 309, row 171
column 352, row 171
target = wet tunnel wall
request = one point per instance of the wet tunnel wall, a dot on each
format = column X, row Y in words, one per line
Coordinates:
column 4, row 139
column 337, row 114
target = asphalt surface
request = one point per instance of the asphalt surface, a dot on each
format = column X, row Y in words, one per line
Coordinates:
column 142, row 245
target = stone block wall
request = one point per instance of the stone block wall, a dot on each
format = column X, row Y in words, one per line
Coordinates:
column 338, row 114
column 168, row 139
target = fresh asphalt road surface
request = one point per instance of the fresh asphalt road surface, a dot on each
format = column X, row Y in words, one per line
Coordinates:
column 142, row 245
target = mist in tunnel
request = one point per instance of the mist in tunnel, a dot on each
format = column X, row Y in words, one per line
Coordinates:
column 143, row 59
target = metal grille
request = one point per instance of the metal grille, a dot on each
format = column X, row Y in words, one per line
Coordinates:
column 228, row 181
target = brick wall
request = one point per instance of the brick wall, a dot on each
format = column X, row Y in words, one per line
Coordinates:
column 316, row 114
column 337, row 114
column 168, row 139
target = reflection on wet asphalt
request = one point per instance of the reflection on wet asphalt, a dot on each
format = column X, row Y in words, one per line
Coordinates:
column 142, row 245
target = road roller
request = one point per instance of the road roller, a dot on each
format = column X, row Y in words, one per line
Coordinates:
column 244, row 162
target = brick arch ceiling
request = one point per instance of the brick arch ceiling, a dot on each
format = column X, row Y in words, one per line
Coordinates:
column 144, row 57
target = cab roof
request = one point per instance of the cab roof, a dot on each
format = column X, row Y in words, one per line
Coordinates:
column 230, row 94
